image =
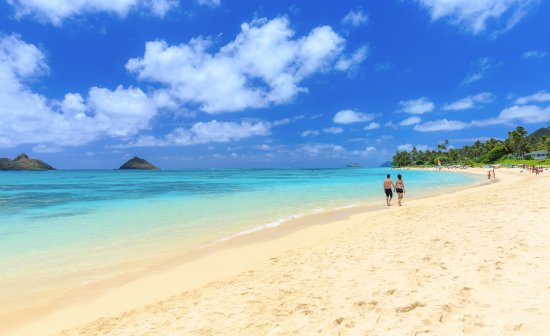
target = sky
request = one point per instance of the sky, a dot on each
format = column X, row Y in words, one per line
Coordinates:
column 254, row 84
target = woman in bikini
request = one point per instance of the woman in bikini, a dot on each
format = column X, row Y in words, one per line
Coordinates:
column 400, row 189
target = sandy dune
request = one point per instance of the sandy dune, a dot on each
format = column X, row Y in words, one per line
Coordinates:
column 474, row 262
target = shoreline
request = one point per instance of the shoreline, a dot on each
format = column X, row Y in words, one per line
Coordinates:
column 177, row 265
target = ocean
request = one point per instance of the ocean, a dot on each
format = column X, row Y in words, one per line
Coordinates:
column 63, row 229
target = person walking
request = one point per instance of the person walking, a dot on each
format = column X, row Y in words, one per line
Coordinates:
column 388, row 186
column 399, row 189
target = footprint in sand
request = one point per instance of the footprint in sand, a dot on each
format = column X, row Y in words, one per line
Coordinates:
column 409, row 307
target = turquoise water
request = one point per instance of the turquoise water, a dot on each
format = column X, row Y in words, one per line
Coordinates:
column 75, row 227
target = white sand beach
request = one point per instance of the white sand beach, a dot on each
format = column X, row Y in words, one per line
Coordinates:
column 474, row 262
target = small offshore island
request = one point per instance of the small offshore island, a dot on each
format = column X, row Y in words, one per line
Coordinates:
column 22, row 162
column 137, row 163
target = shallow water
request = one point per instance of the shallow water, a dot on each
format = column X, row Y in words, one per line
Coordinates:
column 65, row 228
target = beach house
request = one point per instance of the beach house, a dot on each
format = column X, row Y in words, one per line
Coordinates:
column 538, row 155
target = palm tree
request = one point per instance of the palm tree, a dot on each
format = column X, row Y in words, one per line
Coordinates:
column 517, row 141
column 443, row 146
column 476, row 149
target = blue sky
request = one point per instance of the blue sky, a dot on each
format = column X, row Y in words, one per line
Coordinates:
column 221, row 83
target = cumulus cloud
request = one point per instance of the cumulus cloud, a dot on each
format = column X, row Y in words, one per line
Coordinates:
column 417, row 106
column 28, row 117
column 57, row 11
column 351, row 117
column 539, row 97
column 355, row 18
column 529, row 114
column 469, row 102
column 264, row 65
column 371, row 126
column 204, row 132
column 477, row 16
column 534, row 54
column 410, row 121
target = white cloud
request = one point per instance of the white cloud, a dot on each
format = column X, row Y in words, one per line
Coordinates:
column 28, row 117
column 481, row 65
column 405, row 148
column 130, row 108
column 417, row 106
column 469, row 102
column 333, row 130
column 441, row 125
column 409, row 147
column 539, row 97
column 369, row 151
column 371, row 126
column 20, row 60
column 410, row 121
column 477, row 16
column 347, row 63
column 355, row 18
column 534, row 54
column 205, row 132
column 57, row 11
column 350, row 117
column 308, row 133
column 46, row 149
column 210, row 3
column 529, row 114
column 262, row 66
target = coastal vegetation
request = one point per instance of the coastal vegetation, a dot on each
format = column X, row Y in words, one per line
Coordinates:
column 514, row 149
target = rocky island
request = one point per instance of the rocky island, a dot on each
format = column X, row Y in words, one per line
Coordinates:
column 138, row 163
column 22, row 162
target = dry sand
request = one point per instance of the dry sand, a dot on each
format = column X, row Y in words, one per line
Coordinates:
column 473, row 262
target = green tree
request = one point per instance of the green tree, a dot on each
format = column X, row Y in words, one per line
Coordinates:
column 494, row 154
column 477, row 149
column 517, row 141
column 401, row 159
column 415, row 156
column 443, row 146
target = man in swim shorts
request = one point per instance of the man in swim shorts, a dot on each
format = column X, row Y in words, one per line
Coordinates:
column 388, row 186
